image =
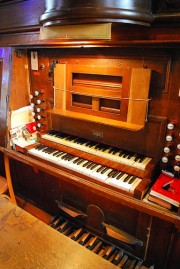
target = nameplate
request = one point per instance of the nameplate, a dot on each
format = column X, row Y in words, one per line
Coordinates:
column 84, row 31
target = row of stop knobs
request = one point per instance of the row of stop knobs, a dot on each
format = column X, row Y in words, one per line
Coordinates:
column 171, row 155
column 38, row 105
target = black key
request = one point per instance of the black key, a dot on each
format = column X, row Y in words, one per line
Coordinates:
column 56, row 153
column 132, row 179
column 104, row 170
column 139, row 158
column 86, row 163
column 56, row 222
column 139, row 265
column 114, row 150
column 113, row 173
column 68, row 230
column 118, row 257
column 40, row 147
column 89, row 165
column 97, row 247
column 122, row 261
column 80, row 161
column 120, row 175
column 127, row 178
column 71, row 138
column 132, row 264
column 94, row 166
column 60, row 154
column 91, row 144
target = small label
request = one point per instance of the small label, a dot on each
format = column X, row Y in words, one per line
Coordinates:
column 34, row 60
column 97, row 133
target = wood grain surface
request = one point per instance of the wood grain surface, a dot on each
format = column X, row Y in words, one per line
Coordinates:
column 26, row 242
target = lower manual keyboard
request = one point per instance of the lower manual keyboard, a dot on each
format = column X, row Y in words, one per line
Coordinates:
column 91, row 169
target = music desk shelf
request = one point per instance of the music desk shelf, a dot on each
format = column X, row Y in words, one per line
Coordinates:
column 26, row 242
column 92, row 118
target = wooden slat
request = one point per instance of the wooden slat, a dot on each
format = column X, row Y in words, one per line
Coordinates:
column 92, row 118
column 60, row 86
column 140, row 82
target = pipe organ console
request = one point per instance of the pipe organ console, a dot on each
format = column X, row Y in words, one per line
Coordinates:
column 91, row 124
column 87, row 135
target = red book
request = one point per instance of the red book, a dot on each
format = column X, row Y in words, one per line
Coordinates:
column 167, row 188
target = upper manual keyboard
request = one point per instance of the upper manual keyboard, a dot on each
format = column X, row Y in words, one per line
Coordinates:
column 99, row 149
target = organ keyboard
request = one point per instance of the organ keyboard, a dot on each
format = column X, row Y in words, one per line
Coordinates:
column 108, row 152
column 92, row 169
column 109, row 166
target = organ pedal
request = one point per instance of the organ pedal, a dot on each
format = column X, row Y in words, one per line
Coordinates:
column 94, row 220
column 97, row 244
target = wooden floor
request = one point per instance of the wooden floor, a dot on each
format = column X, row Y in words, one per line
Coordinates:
column 33, row 210
column 27, row 242
column 40, row 214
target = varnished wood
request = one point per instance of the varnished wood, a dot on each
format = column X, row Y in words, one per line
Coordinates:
column 60, row 86
column 129, row 12
column 150, row 135
column 9, row 180
column 130, row 201
column 44, row 183
column 3, row 185
column 19, row 76
column 155, row 47
column 75, row 192
column 34, row 210
column 45, row 247
column 105, row 121
column 139, row 92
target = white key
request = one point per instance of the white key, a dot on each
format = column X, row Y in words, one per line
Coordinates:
column 135, row 184
column 80, row 168
column 142, row 165
column 73, row 165
column 100, row 176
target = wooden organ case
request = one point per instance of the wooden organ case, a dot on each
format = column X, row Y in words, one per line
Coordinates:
column 83, row 96
column 98, row 114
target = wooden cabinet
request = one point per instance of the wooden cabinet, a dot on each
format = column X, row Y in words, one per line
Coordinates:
column 158, row 230
column 132, row 45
